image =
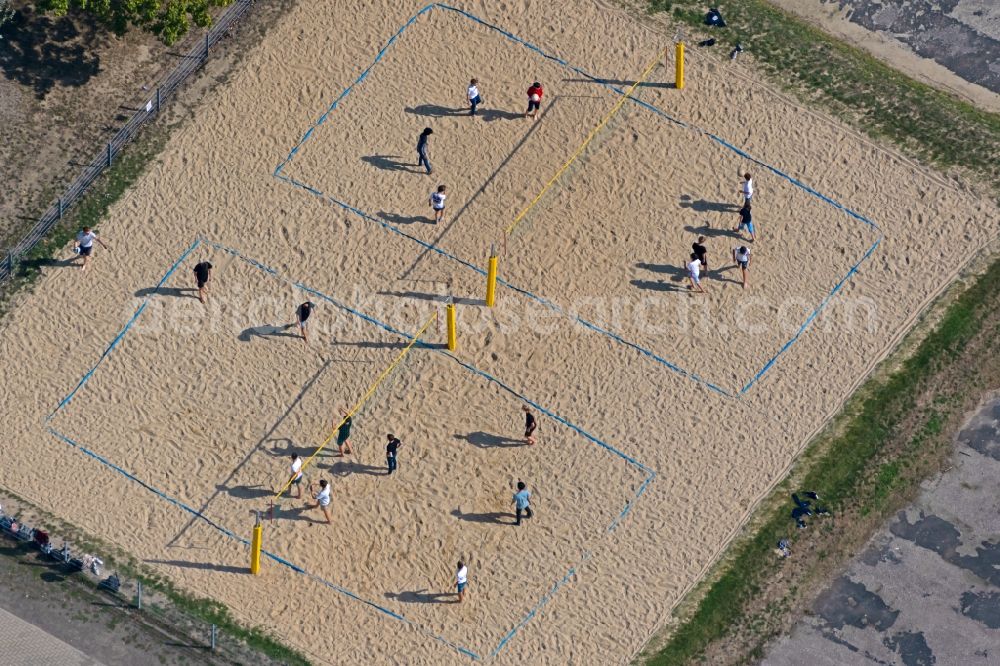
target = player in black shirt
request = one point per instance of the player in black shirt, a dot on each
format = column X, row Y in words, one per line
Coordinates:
column 301, row 316
column 529, row 425
column 701, row 251
column 390, row 452
column 202, row 274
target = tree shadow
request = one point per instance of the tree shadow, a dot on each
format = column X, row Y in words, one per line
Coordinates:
column 42, row 52
column 347, row 467
column 490, row 517
column 435, row 111
column 200, row 565
column 485, row 440
column 267, row 331
column 176, row 292
column 711, row 232
column 390, row 163
column 705, row 206
column 421, row 597
column 246, row 492
column 396, row 218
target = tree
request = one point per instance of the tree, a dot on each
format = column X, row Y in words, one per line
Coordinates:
column 169, row 19
column 6, row 13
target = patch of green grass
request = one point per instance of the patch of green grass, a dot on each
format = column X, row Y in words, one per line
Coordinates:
column 926, row 123
column 210, row 611
column 838, row 474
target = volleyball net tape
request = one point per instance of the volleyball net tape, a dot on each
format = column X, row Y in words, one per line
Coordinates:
column 387, row 372
column 629, row 93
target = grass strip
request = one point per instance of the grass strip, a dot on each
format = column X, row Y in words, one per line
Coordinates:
column 842, row 473
column 857, row 465
column 926, row 123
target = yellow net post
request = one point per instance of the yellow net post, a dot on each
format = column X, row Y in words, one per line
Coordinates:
column 353, row 410
column 590, row 137
column 491, row 281
column 679, row 64
column 452, row 327
column 255, row 546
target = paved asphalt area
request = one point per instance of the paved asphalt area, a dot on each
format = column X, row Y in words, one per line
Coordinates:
column 926, row 589
column 961, row 35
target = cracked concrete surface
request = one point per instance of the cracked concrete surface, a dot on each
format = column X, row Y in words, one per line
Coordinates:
column 926, row 590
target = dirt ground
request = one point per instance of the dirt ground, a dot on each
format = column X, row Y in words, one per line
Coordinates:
column 203, row 404
column 67, row 85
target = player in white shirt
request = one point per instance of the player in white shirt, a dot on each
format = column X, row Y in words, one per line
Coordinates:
column 296, row 475
column 437, row 203
column 84, row 245
column 461, row 580
column 694, row 273
column 322, row 498
column 474, row 98
column 741, row 255
column 747, row 188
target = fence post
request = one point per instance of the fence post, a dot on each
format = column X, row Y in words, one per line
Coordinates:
column 138, row 595
column 213, row 637
column 109, row 154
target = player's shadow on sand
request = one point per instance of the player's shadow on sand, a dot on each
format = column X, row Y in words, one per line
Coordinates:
column 176, row 292
column 712, row 232
column 200, row 565
column 391, row 163
column 246, row 492
column 422, row 597
column 492, row 517
column 485, row 440
column 396, row 218
column 676, row 273
column 487, row 114
column 288, row 449
column 705, row 206
column 348, row 467
column 268, row 331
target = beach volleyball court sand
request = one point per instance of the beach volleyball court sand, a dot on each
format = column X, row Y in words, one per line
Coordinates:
column 623, row 218
column 397, row 532
column 196, row 407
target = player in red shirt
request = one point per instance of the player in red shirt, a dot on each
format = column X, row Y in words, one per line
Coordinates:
column 535, row 93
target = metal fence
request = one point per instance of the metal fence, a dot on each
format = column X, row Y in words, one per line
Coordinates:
column 189, row 63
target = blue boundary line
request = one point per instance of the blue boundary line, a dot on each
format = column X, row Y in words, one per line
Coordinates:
column 673, row 367
column 121, row 334
column 650, row 474
column 809, row 320
column 547, row 303
column 275, row 558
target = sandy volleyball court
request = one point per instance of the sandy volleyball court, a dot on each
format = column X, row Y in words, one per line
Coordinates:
column 663, row 415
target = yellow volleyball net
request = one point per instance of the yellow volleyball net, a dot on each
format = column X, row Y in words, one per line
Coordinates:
column 382, row 377
column 629, row 93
